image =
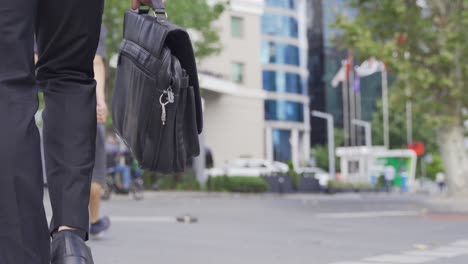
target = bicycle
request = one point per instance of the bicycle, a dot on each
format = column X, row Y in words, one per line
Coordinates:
column 114, row 185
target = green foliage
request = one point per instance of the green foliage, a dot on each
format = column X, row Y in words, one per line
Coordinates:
column 423, row 129
column 341, row 185
column 237, row 184
column 424, row 46
column 320, row 152
column 198, row 15
column 188, row 185
column 182, row 181
column 295, row 177
column 435, row 166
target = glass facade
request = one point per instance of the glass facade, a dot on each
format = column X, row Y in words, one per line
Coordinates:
column 316, row 83
column 281, row 110
column 278, row 25
column 324, row 59
column 279, row 28
column 286, row 4
column 282, row 145
column 282, row 82
column 280, row 53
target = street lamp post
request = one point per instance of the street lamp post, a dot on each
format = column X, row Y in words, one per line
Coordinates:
column 367, row 126
column 331, row 140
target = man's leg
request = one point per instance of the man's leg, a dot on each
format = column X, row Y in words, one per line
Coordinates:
column 98, row 224
column 23, row 227
column 67, row 34
column 95, row 201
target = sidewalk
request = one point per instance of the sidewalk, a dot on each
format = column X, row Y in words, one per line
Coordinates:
column 449, row 203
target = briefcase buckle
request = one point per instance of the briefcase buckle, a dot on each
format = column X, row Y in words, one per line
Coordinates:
column 155, row 14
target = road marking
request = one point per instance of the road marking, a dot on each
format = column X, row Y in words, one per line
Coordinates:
column 359, row 262
column 406, row 259
column 443, row 252
column 456, row 249
column 143, row 219
column 375, row 214
column 461, row 243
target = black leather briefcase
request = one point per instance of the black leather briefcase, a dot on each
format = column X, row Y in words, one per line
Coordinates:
column 156, row 105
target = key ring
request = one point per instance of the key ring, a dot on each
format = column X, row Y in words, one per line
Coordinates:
column 161, row 102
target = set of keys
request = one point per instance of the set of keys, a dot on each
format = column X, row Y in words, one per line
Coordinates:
column 169, row 94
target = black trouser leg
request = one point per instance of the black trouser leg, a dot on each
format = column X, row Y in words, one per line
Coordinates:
column 67, row 36
column 24, row 237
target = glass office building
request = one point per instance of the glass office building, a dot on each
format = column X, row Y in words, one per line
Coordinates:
column 324, row 60
column 285, row 74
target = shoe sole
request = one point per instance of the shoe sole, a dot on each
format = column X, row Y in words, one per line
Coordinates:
column 74, row 260
column 98, row 236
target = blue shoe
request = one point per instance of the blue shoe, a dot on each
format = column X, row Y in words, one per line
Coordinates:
column 97, row 229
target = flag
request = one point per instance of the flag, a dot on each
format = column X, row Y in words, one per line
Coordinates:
column 340, row 76
column 343, row 73
column 369, row 67
column 349, row 66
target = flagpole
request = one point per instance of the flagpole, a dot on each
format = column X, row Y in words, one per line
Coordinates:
column 345, row 112
column 409, row 122
column 352, row 107
column 359, row 114
column 385, row 106
column 409, row 118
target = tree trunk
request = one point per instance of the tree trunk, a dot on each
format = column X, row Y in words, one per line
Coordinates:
column 455, row 159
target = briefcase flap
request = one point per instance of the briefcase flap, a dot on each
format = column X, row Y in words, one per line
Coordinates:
column 153, row 34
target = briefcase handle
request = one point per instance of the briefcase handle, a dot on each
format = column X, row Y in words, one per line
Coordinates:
column 158, row 7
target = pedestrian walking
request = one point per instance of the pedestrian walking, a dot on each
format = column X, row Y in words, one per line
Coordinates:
column 440, row 180
column 99, row 224
column 389, row 177
column 67, row 34
column 119, row 160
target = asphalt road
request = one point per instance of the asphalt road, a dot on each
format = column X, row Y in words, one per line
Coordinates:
column 292, row 229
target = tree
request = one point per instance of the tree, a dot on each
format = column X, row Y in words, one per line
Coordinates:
column 423, row 43
column 423, row 130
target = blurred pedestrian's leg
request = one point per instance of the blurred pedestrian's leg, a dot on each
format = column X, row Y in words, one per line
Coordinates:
column 98, row 224
column 23, row 227
column 388, row 186
column 67, row 35
column 124, row 170
column 99, row 174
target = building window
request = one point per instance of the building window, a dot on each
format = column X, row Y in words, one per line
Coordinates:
column 280, row 53
column 282, row 82
column 281, row 110
column 237, row 27
column 278, row 25
column 237, row 72
column 286, row 4
column 282, row 148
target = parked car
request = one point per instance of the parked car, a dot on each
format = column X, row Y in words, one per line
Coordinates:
column 321, row 175
column 249, row 167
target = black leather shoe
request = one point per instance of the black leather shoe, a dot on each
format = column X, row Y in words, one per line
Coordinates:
column 69, row 248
